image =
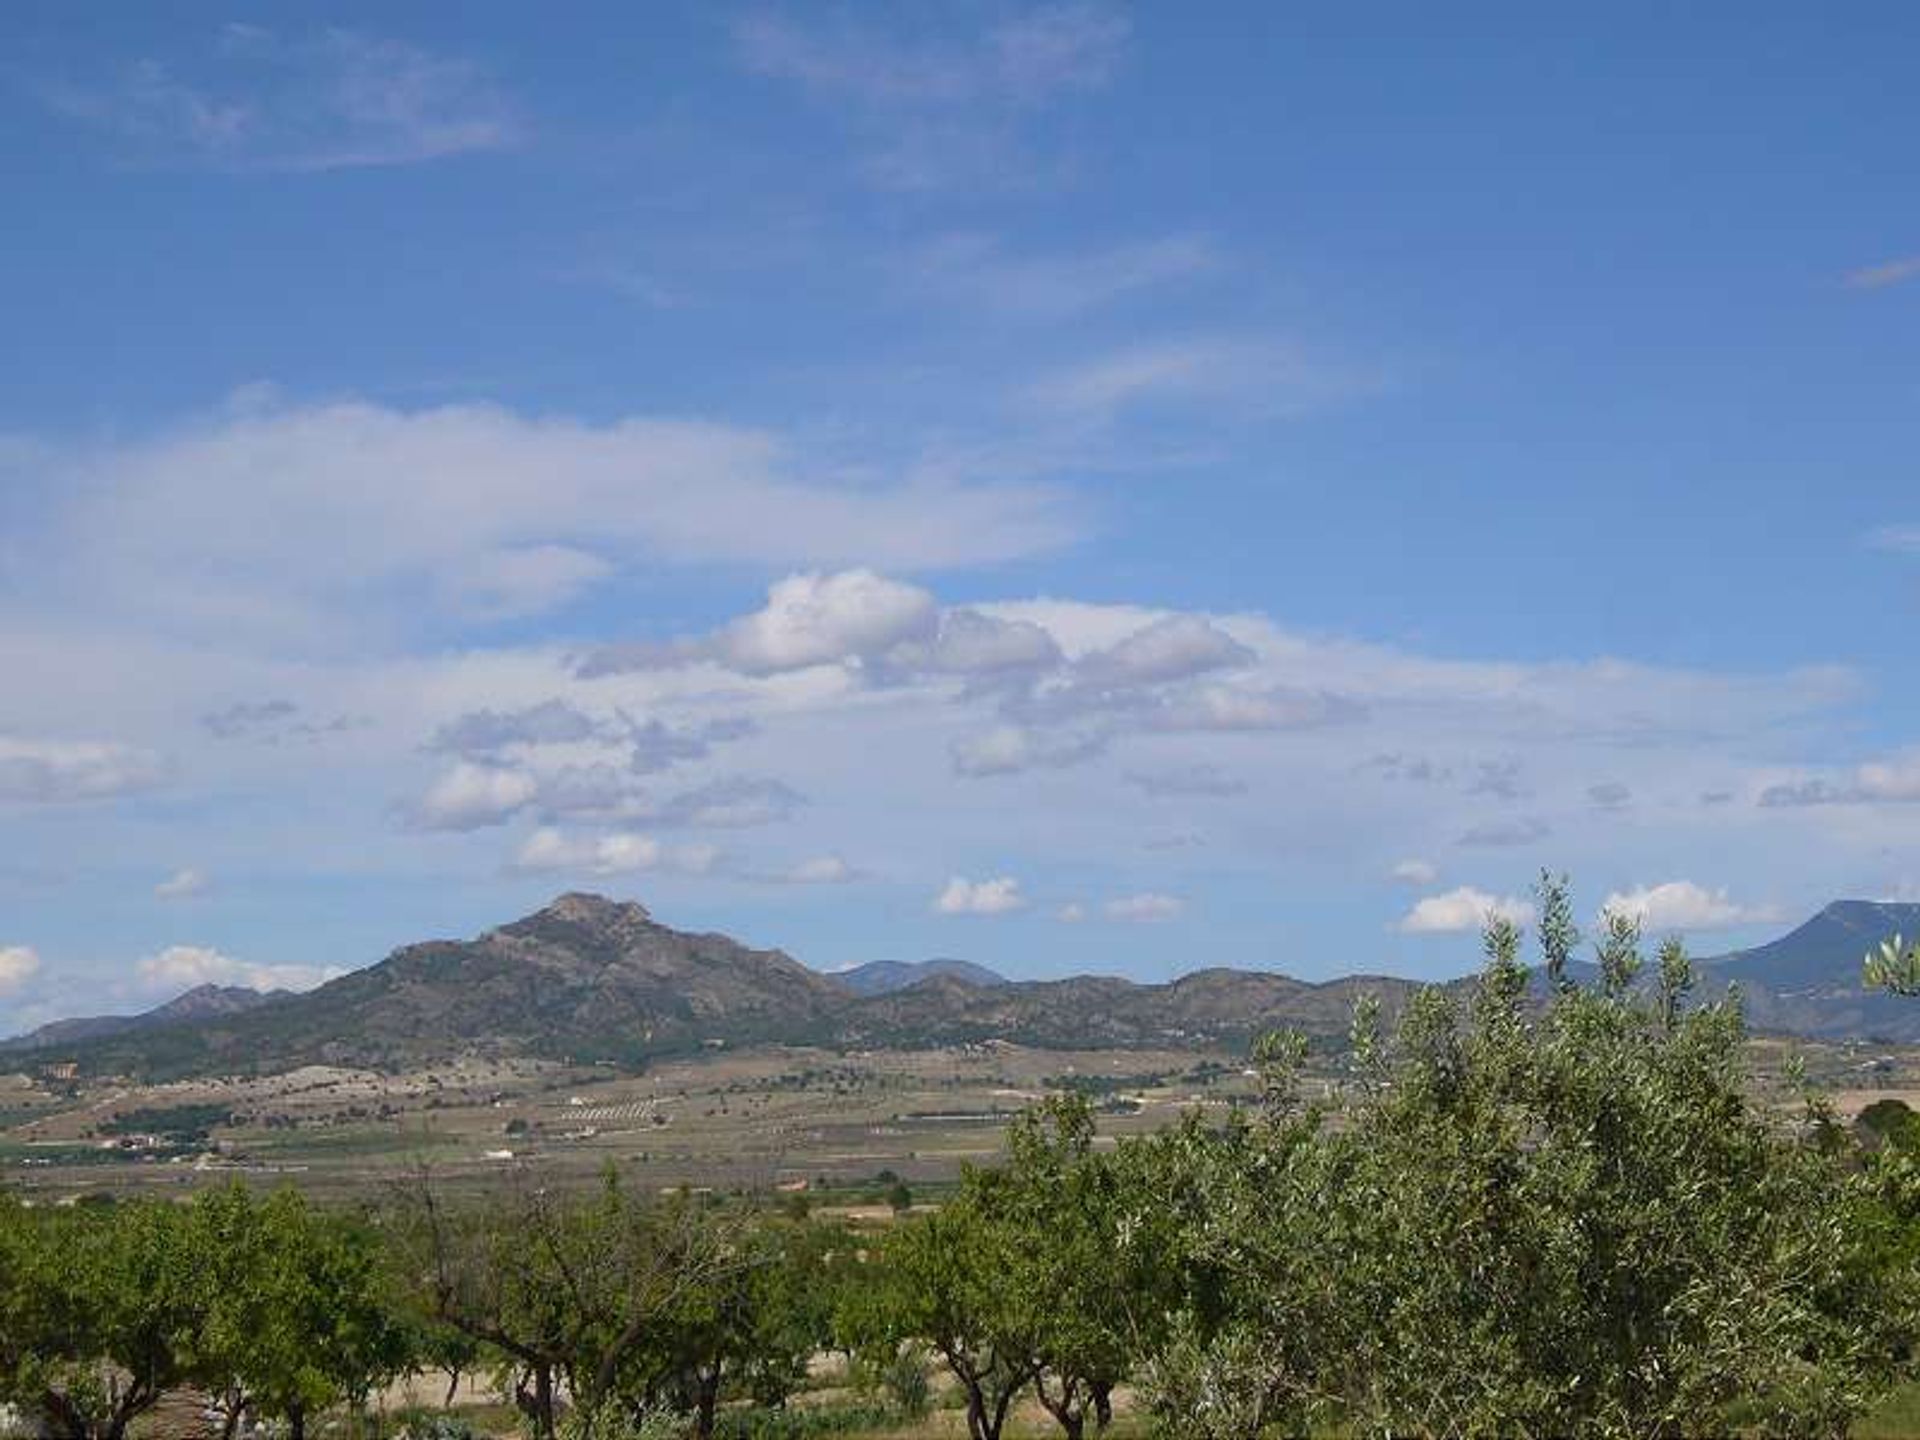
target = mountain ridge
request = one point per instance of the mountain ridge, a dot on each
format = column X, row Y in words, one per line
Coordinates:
column 586, row 979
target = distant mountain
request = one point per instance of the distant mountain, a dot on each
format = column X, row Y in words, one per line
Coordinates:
column 883, row 977
column 1824, row 953
column 589, row 979
column 1808, row 981
column 584, row 979
column 200, row 1003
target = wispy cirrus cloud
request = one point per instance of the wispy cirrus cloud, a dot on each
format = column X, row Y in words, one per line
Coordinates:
column 1256, row 378
column 1902, row 538
column 306, row 524
column 941, row 103
column 255, row 99
column 980, row 270
column 1888, row 272
column 1025, row 59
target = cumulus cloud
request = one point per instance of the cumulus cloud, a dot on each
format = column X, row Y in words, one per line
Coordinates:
column 472, row 796
column 183, row 967
column 1414, row 872
column 18, row 964
column 1683, row 905
column 1071, row 913
column 182, row 885
column 1175, row 648
column 1144, row 909
column 819, row 619
column 816, row 618
column 999, row 896
column 970, row 643
column 550, row 850
column 1463, row 909
column 52, row 772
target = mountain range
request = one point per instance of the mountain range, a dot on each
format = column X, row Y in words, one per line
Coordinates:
column 203, row 1002
column 884, row 977
column 591, row 979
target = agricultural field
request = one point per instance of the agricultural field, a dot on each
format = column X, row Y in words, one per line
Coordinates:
column 761, row 1120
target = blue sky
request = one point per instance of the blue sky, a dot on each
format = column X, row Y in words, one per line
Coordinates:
column 1072, row 486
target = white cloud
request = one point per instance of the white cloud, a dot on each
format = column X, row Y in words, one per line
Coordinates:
column 334, row 100
column 18, row 964
column 1022, row 60
column 1071, row 913
column 470, row 796
column 1009, row 749
column 1190, row 780
column 1903, row 538
column 183, row 967
column 302, row 524
column 529, row 580
column 820, row 870
column 999, row 896
column 1251, row 379
column 970, row 643
column 1891, row 272
column 1894, row 780
column 1144, row 909
column 1463, row 909
column 1511, row 831
column 1414, row 872
column 1221, row 707
column 977, row 270
column 818, row 619
column 1683, row 905
column 182, row 885
column 619, row 852
column 1177, row 647
column 64, row 771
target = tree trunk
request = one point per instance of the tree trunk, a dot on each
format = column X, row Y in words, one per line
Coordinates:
column 543, row 1400
column 1068, row 1411
column 235, row 1405
column 705, row 1402
column 1102, row 1404
column 296, row 1421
